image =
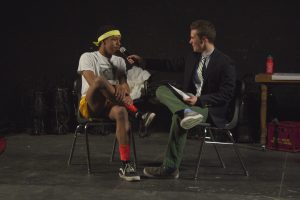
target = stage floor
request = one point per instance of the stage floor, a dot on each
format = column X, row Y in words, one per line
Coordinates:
column 35, row 167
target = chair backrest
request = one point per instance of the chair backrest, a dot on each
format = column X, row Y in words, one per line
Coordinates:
column 77, row 87
column 236, row 104
column 77, row 93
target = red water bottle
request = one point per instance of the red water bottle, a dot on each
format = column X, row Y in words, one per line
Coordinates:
column 269, row 65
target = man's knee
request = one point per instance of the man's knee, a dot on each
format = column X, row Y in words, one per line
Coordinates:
column 121, row 113
column 99, row 82
column 161, row 91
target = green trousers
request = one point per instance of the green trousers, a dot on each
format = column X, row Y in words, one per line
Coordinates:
column 178, row 135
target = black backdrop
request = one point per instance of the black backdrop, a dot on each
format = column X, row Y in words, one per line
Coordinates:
column 43, row 40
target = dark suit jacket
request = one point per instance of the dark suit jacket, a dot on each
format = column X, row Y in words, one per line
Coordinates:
column 218, row 87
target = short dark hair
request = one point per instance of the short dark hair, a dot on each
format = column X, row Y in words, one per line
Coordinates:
column 105, row 28
column 204, row 28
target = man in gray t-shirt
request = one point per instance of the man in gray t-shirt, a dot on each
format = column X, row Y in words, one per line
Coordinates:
column 105, row 93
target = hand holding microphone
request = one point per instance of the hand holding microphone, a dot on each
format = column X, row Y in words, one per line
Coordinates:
column 131, row 58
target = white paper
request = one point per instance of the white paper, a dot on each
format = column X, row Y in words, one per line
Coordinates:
column 286, row 76
column 181, row 93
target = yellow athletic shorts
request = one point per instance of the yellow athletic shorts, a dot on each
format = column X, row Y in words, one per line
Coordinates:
column 83, row 107
column 85, row 111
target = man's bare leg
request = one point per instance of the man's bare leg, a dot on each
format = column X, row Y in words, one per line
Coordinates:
column 98, row 93
column 101, row 90
column 120, row 115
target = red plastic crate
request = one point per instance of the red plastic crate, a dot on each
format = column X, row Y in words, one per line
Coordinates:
column 284, row 136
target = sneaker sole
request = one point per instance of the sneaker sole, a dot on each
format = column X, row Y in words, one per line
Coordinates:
column 130, row 178
column 151, row 176
column 149, row 119
column 191, row 121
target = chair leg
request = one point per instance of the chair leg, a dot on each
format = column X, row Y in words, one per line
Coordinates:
column 200, row 155
column 140, row 129
column 143, row 131
column 146, row 132
column 73, row 145
column 134, row 149
column 216, row 149
column 113, row 150
column 87, row 149
column 237, row 151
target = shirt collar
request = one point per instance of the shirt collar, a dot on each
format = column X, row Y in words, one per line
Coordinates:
column 107, row 60
column 207, row 54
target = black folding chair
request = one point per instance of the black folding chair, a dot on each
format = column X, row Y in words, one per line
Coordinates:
column 84, row 125
column 208, row 129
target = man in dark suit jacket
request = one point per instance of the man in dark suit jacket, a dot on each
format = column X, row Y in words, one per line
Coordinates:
column 209, row 78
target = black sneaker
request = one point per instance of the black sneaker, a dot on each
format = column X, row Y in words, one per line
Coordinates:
column 147, row 118
column 161, row 172
column 128, row 173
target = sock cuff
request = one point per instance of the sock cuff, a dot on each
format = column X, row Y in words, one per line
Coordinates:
column 124, row 150
column 187, row 110
column 131, row 108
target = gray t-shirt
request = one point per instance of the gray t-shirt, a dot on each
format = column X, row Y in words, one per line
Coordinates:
column 101, row 66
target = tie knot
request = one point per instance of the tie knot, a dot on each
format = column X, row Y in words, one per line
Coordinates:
column 203, row 60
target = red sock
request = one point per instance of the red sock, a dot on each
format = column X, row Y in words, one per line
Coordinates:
column 2, row 145
column 131, row 108
column 124, row 150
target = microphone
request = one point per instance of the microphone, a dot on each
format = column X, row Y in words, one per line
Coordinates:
column 124, row 51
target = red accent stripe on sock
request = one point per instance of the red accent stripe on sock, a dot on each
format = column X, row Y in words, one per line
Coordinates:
column 2, row 145
column 131, row 108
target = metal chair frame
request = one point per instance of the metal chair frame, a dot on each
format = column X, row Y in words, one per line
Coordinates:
column 208, row 137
